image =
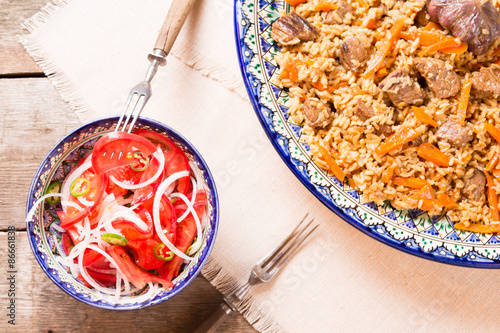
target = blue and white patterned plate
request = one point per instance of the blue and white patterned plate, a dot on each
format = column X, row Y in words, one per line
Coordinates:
column 410, row 231
column 42, row 232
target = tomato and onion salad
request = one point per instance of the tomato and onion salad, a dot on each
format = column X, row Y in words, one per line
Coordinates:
column 133, row 223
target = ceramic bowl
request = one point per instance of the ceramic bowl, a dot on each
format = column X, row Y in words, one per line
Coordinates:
column 43, row 233
column 411, row 231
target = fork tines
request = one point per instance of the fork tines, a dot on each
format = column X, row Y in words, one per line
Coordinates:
column 275, row 260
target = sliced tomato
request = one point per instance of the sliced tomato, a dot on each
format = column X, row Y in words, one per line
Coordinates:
column 134, row 273
column 90, row 257
column 175, row 159
column 66, row 243
column 98, row 185
column 180, row 206
column 167, row 217
column 144, row 253
column 103, row 159
column 124, row 174
column 73, row 234
column 186, row 231
column 130, row 230
column 107, row 280
column 144, row 193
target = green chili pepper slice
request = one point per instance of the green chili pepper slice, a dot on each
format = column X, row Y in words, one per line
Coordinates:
column 114, row 239
column 142, row 162
column 79, row 187
column 161, row 254
column 191, row 246
column 54, row 187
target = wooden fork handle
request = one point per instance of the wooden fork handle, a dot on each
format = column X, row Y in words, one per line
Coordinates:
column 176, row 16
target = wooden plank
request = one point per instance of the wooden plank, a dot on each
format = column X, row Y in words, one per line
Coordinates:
column 42, row 307
column 34, row 118
column 14, row 59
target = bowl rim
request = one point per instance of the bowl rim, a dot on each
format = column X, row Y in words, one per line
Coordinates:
column 239, row 35
column 168, row 294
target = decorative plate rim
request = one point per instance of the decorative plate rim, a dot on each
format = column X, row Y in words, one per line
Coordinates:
column 467, row 260
column 162, row 295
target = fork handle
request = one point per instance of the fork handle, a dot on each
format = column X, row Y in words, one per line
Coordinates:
column 179, row 10
column 213, row 322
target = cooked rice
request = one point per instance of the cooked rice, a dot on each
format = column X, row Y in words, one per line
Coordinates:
column 355, row 140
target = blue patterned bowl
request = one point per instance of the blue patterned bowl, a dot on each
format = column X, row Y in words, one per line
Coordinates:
column 42, row 233
column 410, row 231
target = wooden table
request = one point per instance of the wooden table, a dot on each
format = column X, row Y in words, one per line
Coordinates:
column 33, row 119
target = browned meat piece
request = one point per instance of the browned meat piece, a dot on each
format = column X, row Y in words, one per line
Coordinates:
column 337, row 16
column 363, row 112
column 443, row 82
column 473, row 21
column 422, row 19
column 353, row 54
column 318, row 114
column 454, row 133
column 486, row 82
column 401, row 88
column 292, row 28
column 474, row 186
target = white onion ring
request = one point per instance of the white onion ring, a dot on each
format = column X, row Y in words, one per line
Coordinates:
column 156, row 212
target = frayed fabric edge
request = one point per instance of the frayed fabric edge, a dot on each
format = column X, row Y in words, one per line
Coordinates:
column 226, row 284
column 59, row 80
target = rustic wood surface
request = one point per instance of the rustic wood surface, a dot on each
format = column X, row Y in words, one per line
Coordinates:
column 34, row 118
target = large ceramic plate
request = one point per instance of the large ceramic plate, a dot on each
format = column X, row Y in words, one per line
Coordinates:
column 411, row 231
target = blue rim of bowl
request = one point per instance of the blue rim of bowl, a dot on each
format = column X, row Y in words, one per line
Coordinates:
column 274, row 137
column 201, row 261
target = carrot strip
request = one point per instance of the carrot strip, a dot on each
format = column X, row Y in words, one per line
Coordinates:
column 432, row 26
column 444, row 44
column 409, row 182
column 426, row 196
column 326, row 5
column 493, row 162
column 447, row 201
column 479, row 228
column 332, row 165
column 363, row 3
column 290, row 70
column 492, row 198
column 423, row 117
column 494, row 132
column 377, row 61
column 397, row 140
column 389, row 172
column 463, row 101
column 372, row 24
column 295, row 2
column 456, row 49
column 318, row 85
column 432, row 154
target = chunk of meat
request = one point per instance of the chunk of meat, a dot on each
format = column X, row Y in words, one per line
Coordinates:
column 474, row 185
column 401, row 88
column 473, row 21
column 364, row 112
column 317, row 113
column 486, row 82
column 442, row 81
column 453, row 132
column 292, row 28
column 353, row 54
column 422, row 18
column 339, row 15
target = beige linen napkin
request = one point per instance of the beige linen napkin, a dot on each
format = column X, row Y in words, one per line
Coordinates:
column 342, row 280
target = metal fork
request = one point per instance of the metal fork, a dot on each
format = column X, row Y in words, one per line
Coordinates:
column 262, row 272
column 141, row 93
